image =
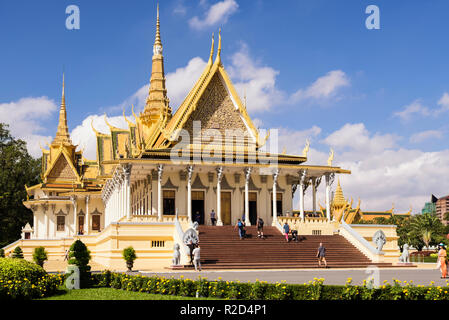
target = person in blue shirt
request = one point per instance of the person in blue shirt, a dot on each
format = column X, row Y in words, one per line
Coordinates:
column 286, row 230
column 241, row 228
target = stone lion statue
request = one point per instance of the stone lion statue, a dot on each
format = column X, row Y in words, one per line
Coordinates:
column 405, row 256
column 176, row 255
column 379, row 239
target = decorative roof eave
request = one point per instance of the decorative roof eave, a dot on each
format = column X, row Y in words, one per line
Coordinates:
column 36, row 187
column 168, row 161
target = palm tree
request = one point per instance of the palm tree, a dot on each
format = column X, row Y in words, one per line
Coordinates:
column 427, row 237
column 426, row 227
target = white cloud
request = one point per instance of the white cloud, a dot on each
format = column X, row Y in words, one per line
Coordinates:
column 415, row 107
column 182, row 80
column 324, row 87
column 356, row 138
column 26, row 119
column 425, row 135
column 217, row 13
column 444, row 103
column 257, row 82
column 383, row 173
column 294, row 141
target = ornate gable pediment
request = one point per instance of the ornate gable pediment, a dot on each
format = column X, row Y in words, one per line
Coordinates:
column 253, row 187
column 62, row 169
column 198, row 184
column 169, row 185
column 224, row 185
column 216, row 110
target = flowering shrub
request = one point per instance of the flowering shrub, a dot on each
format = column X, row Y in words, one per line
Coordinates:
column 261, row 290
column 21, row 279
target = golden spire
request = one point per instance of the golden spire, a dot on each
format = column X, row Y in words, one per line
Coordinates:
column 339, row 198
column 62, row 134
column 157, row 41
column 157, row 104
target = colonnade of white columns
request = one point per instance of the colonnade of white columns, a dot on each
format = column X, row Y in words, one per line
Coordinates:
column 302, row 180
column 117, row 196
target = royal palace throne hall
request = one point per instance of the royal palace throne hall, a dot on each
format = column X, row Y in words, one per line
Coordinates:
column 152, row 180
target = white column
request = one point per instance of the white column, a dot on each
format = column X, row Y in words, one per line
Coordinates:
column 302, row 178
column 247, row 177
column 314, row 187
column 128, row 192
column 87, row 216
column 120, row 199
column 189, row 193
column 219, row 178
column 46, row 224
column 35, row 235
column 75, row 212
column 275, row 212
column 160, row 170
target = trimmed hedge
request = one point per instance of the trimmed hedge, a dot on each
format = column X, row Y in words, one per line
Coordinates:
column 21, row 279
column 235, row 290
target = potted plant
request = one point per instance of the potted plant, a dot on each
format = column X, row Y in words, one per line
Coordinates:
column 129, row 254
column 18, row 253
column 40, row 256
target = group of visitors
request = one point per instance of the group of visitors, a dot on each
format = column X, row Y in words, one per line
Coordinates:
column 242, row 230
column 288, row 231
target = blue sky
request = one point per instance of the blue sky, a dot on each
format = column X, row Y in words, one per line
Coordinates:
column 385, row 102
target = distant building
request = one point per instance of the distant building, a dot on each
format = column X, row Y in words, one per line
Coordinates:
column 441, row 208
column 430, row 207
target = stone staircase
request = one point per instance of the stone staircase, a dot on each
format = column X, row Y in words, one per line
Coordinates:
column 221, row 248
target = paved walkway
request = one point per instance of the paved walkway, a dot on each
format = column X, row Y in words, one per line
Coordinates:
column 332, row 277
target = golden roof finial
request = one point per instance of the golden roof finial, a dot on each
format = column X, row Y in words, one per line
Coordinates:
column 331, row 158
column 305, row 152
column 211, row 51
column 126, row 119
column 218, row 60
column 92, row 126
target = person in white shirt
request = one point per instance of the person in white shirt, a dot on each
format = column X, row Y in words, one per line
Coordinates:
column 196, row 258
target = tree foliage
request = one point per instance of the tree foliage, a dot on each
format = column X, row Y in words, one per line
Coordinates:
column 419, row 231
column 17, row 253
column 40, row 256
column 18, row 168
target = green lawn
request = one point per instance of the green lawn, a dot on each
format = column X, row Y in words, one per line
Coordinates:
column 110, row 294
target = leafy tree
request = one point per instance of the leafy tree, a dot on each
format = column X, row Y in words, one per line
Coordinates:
column 17, row 253
column 18, row 168
column 428, row 228
column 40, row 256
